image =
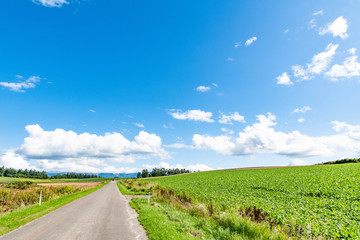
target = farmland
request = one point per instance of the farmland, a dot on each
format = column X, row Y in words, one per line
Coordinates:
column 24, row 193
column 309, row 201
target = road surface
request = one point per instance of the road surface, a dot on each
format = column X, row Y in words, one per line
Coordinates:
column 103, row 214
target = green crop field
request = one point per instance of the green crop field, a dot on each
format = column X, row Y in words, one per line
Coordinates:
column 320, row 200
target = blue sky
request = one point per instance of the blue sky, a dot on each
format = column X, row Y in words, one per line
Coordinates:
column 118, row 86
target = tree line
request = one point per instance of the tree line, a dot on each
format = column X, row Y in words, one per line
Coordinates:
column 157, row 172
column 74, row 175
column 25, row 173
column 345, row 160
column 20, row 173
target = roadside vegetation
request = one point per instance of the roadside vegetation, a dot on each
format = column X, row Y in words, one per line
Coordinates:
column 25, row 193
column 20, row 202
column 320, row 201
column 132, row 187
column 164, row 221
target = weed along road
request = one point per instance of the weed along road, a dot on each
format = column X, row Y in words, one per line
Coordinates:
column 103, row 214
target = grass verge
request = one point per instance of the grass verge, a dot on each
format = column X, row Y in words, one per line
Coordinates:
column 162, row 221
column 15, row 219
column 125, row 191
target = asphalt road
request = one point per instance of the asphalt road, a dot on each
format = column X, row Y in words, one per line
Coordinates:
column 103, row 214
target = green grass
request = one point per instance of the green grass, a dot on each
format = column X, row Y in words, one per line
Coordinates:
column 162, row 221
column 310, row 201
column 125, row 191
column 10, row 180
column 15, row 219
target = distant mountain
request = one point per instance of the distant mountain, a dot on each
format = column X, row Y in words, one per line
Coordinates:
column 104, row 175
column 119, row 175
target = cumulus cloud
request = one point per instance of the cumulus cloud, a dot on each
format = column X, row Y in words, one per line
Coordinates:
column 320, row 62
column 191, row 167
column 262, row 138
column 21, row 85
column 284, row 79
column 250, row 41
column 202, row 89
column 228, row 119
column 350, row 68
column 296, row 162
column 337, row 28
column 303, row 109
column 61, row 144
column 69, row 165
column 51, row 3
column 13, row 160
column 194, row 115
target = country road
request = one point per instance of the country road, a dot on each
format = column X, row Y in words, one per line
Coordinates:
column 104, row 214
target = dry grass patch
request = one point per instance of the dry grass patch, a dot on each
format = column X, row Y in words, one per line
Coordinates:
column 80, row 185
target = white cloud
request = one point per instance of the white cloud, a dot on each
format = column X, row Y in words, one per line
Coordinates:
column 321, row 12
column 350, row 68
column 227, row 130
column 301, row 120
column 140, row 125
column 296, row 162
column 261, row 138
column 178, row 145
column 319, row 63
column 230, row 59
column 351, row 131
column 92, row 110
column 250, row 41
column 337, row 28
column 284, row 79
column 303, row 109
column 352, row 51
column 51, row 3
column 215, row 84
column 191, row 167
column 13, row 160
column 68, row 165
column 227, row 119
column 202, row 89
column 61, row 144
column 194, row 115
column 237, row 44
column 81, row 165
column 20, row 86
column 286, row 31
column 312, row 23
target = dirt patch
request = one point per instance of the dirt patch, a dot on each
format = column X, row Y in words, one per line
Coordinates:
column 81, row 185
